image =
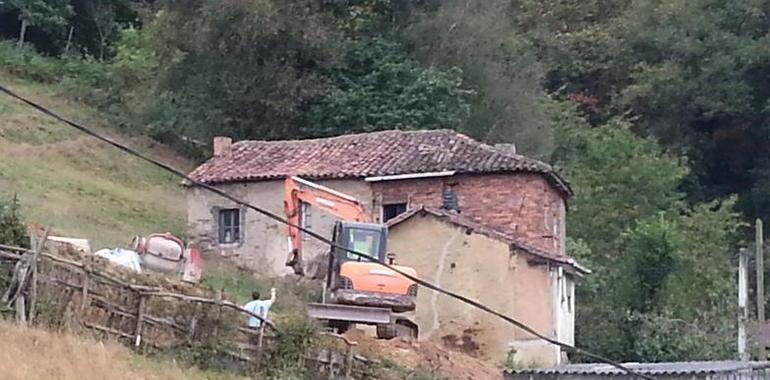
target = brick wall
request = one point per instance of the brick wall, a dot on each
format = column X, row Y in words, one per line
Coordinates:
column 522, row 205
column 525, row 206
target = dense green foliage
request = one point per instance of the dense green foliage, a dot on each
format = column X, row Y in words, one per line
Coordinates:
column 45, row 14
column 662, row 281
column 379, row 87
column 694, row 74
column 655, row 110
column 69, row 26
column 12, row 228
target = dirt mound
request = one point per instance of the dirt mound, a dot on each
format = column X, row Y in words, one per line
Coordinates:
column 413, row 354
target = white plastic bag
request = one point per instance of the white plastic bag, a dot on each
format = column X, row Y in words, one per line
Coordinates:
column 122, row 257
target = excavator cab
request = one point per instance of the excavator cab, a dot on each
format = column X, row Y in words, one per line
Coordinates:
column 357, row 290
column 366, row 238
column 356, row 280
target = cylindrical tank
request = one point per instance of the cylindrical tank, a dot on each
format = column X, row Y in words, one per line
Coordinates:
column 161, row 253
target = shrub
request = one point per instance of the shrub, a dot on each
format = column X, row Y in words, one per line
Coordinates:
column 12, row 229
column 84, row 79
column 295, row 337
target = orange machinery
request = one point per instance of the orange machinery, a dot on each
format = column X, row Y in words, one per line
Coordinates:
column 357, row 290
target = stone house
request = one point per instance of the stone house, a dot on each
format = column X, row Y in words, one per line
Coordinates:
column 392, row 173
column 532, row 285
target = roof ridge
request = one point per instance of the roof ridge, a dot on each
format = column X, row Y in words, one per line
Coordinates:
column 357, row 134
column 492, row 149
column 361, row 155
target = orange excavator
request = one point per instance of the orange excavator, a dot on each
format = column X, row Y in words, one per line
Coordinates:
column 356, row 290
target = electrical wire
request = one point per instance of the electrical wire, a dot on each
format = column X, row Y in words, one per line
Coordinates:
column 191, row 181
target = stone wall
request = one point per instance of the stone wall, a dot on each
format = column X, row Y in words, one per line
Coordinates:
column 522, row 205
column 264, row 241
column 484, row 269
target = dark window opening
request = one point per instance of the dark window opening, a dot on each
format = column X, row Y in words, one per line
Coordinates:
column 229, row 226
column 392, row 210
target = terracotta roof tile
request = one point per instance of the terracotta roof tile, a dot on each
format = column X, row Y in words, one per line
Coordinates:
column 365, row 155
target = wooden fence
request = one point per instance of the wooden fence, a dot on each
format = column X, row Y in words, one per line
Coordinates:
column 84, row 292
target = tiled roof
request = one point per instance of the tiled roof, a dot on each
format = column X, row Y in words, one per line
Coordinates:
column 466, row 222
column 367, row 155
column 660, row 369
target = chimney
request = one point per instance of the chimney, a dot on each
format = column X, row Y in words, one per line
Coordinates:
column 506, row 148
column 222, row 146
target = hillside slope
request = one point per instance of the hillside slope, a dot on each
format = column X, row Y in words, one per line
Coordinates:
column 78, row 185
column 40, row 354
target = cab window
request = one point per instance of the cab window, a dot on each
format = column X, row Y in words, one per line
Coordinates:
column 364, row 241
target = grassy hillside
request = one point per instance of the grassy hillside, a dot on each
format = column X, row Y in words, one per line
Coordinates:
column 39, row 354
column 76, row 184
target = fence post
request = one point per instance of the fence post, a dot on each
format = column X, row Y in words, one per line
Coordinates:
column 20, row 312
column 349, row 362
column 760, row 286
column 193, row 325
column 37, row 245
column 21, row 273
column 260, row 337
column 331, row 364
column 743, row 310
column 219, row 312
column 84, row 293
column 139, row 321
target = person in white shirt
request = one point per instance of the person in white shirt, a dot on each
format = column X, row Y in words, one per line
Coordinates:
column 259, row 307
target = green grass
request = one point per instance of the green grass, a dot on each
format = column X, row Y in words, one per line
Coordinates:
column 77, row 185
column 235, row 283
column 293, row 295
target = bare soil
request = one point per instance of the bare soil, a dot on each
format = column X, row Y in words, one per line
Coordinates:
column 417, row 355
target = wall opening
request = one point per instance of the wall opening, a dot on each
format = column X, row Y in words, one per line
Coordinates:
column 305, row 219
column 390, row 211
column 229, row 226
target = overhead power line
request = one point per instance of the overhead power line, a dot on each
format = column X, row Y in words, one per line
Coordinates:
column 183, row 175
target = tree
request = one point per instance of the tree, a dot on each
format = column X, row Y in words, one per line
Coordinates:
column 680, row 283
column 619, row 177
column 693, row 74
column 659, row 264
column 698, row 82
column 102, row 13
column 377, row 86
column 46, row 14
column 479, row 37
column 237, row 67
column 95, row 24
column 12, row 228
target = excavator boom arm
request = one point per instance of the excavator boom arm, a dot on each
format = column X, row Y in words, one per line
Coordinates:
column 299, row 191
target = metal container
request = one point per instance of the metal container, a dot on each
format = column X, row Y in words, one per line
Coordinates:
column 161, row 253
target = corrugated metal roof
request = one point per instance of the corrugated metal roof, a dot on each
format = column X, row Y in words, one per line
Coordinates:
column 675, row 368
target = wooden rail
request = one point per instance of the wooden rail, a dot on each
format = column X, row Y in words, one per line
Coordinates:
column 95, row 291
column 92, row 287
